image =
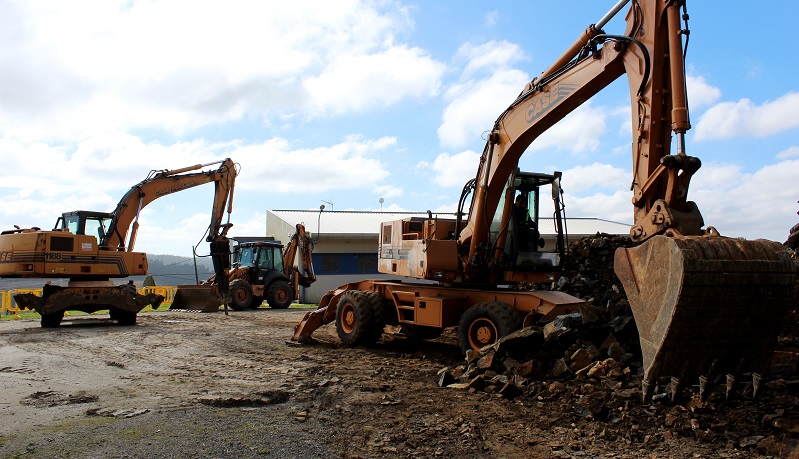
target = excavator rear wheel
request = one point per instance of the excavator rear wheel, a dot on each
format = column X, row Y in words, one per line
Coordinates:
column 122, row 316
column 355, row 318
column 240, row 295
column 486, row 323
column 52, row 320
column 279, row 294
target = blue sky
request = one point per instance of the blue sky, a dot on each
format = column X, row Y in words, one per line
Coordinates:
column 350, row 101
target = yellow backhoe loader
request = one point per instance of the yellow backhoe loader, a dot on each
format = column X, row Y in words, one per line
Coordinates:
column 265, row 270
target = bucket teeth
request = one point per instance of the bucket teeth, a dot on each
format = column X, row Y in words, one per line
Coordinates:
column 730, row 384
column 703, row 386
column 646, row 391
column 706, row 305
column 674, row 388
column 756, row 378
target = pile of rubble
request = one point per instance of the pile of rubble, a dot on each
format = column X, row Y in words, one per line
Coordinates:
column 590, row 361
column 599, row 341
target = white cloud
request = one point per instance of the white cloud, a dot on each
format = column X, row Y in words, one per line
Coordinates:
column 579, row 132
column 747, row 119
column 596, row 175
column 700, row 92
column 73, row 70
column 607, row 206
column 475, row 106
column 490, row 56
column 455, row 170
column 95, row 174
column 791, row 152
column 491, row 18
column 749, row 204
column 367, row 81
column 388, row 191
column 759, row 204
column 274, row 166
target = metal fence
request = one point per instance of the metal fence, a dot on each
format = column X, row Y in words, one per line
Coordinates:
column 9, row 307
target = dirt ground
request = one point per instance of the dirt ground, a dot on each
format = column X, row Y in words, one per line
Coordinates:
column 199, row 385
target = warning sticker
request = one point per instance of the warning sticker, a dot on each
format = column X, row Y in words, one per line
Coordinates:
column 86, row 246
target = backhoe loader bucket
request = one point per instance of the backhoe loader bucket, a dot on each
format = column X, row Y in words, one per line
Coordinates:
column 706, row 306
column 203, row 298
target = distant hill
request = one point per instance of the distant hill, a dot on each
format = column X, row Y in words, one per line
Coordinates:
column 165, row 269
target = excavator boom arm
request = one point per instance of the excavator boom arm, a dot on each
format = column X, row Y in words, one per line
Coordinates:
column 302, row 244
column 162, row 183
column 650, row 54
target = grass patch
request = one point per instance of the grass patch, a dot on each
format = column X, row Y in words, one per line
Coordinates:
column 28, row 314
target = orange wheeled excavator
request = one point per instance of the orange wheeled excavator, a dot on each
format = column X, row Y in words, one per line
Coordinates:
column 91, row 248
column 705, row 305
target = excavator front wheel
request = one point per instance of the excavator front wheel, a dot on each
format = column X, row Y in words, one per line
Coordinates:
column 359, row 318
column 122, row 316
column 486, row 323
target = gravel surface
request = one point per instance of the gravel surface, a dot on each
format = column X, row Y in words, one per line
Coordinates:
column 214, row 386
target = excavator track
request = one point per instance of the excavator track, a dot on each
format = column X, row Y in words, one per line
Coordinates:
column 706, row 306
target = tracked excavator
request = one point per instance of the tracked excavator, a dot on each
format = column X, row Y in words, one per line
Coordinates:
column 91, row 248
column 265, row 270
column 706, row 306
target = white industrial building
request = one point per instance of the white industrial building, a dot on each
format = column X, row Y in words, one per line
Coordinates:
column 346, row 241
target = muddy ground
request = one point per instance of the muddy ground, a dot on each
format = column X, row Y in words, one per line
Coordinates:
column 199, row 385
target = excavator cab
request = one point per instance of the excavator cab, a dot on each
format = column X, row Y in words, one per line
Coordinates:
column 524, row 245
column 85, row 222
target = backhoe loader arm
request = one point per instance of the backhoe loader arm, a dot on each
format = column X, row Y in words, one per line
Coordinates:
column 301, row 243
column 164, row 182
column 650, row 54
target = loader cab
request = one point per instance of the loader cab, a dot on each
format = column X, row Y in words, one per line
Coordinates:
column 526, row 249
column 85, row 222
column 261, row 256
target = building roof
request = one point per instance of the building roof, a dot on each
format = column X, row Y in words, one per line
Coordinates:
column 367, row 224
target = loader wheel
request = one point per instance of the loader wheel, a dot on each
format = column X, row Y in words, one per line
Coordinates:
column 52, row 320
column 355, row 318
column 122, row 316
column 485, row 323
column 240, row 295
column 279, row 294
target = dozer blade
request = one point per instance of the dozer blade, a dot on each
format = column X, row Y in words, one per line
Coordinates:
column 203, row 298
column 706, row 305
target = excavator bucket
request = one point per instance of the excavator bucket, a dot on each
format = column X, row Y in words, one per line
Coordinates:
column 203, row 298
column 706, row 306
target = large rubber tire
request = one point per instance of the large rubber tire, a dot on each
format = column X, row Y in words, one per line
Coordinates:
column 240, row 295
column 52, row 320
column 484, row 324
column 359, row 320
column 378, row 315
column 122, row 316
column 279, row 294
